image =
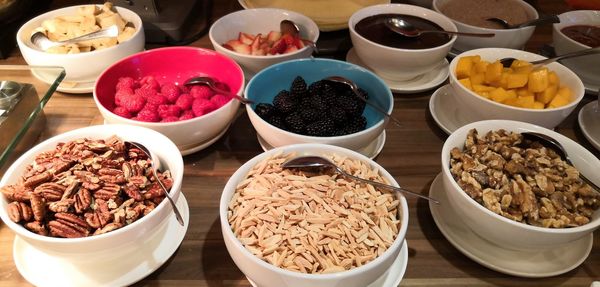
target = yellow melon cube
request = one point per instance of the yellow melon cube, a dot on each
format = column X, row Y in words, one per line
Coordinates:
column 481, row 88
column 477, row 78
column 526, row 102
column 464, row 66
column 521, row 67
column 547, row 95
column 500, row 95
column 512, row 102
column 538, row 80
column 481, row 66
column 516, row 80
column 562, row 98
column 493, row 72
column 553, row 78
column 484, row 94
column 538, row 105
column 466, row 82
column 523, row 92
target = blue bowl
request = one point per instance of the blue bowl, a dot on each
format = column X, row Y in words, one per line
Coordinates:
column 265, row 85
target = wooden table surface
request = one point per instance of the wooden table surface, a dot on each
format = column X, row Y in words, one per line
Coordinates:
column 411, row 153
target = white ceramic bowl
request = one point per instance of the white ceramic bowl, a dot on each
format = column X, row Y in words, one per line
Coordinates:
column 260, row 20
column 503, row 231
column 83, row 67
column 394, row 63
column 184, row 62
column 587, row 67
column 504, row 38
column 485, row 109
column 120, row 240
column 267, row 275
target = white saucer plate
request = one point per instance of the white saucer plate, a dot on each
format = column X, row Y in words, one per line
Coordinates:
column 66, row 87
column 42, row 269
column 393, row 276
column 371, row 151
column 446, row 112
column 424, row 82
column 532, row 264
column 589, row 122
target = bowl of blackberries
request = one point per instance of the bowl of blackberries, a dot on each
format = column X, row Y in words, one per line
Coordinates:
column 294, row 102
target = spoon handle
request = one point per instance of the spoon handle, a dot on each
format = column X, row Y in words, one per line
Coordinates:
column 230, row 94
column 568, row 55
column 387, row 186
column 380, row 110
column 175, row 209
column 484, row 35
column 110, row 32
column 538, row 21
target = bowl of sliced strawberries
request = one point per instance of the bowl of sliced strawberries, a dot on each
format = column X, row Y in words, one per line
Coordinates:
column 254, row 40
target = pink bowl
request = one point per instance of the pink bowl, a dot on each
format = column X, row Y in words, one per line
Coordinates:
column 175, row 65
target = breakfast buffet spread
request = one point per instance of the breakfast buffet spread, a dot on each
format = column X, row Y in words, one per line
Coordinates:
column 317, row 207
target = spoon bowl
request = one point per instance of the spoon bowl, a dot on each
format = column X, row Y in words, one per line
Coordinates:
column 145, row 150
column 289, row 27
column 213, row 85
column 407, row 29
column 313, row 162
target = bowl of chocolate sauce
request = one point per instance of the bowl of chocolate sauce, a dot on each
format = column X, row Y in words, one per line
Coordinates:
column 394, row 56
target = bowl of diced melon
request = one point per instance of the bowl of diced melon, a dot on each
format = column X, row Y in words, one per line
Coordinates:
column 539, row 94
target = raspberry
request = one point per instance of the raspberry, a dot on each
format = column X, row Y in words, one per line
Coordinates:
column 165, row 111
column 202, row 92
column 157, row 99
column 150, row 107
column 122, row 112
column 201, row 107
column 186, row 115
column 133, row 103
column 126, row 82
column 145, row 92
column 147, row 115
column 169, row 119
column 150, row 83
column 122, row 93
column 171, row 92
column 220, row 100
column 185, row 101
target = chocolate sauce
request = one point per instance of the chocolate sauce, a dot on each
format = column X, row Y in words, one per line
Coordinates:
column 374, row 29
column 584, row 34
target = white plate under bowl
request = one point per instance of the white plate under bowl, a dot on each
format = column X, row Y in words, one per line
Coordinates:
column 42, row 269
column 393, row 276
column 422, row 83
column 66, row 87
column 371, row 151
column 446, row 111
column 589, row 122
column 532, row 264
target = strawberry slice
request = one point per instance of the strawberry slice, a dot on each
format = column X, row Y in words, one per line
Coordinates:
column 246, row 38
column 290, row 49
column 288, row 39
column 255, row 46
column 278, row 47
column 273, row 36
column 237, row 46
column 298, row 43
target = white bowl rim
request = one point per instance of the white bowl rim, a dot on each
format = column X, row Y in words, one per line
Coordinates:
column 571, row 104
column 425, row 10
column 168, row 124
column 517, row 125
column 528, row 6
column 95, row 53
column 586, row 12
column 275, row 57
column 325, row 60
column 21, row 230
column 398, row 241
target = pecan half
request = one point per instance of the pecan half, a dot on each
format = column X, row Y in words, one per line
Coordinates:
column 17, row 192
column 38, row 179
column 38, row 206
column 108, row 191
column 100, row 216
column 62, row 205
column 108, row 228
column 154, row 191
column 133, row 191
column 69, row 226
column 71, row 189
column 18, row 211
column 83, row 200
column 51, row 191
column 37, row 227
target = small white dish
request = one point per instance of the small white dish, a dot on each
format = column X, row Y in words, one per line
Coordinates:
column 424, row 82
column 42, row 269
column 65, row 87
column 531, row 264
column 392, row 277
column 371, row 151
column 589, row 122
column 446, row 111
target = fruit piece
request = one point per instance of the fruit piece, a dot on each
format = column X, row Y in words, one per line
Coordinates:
column 264, row 110
column 295, row 123
column 482, row 88
column 169, row 119
column 547, row 95
column 202, row 92
column 273, row 36
column 145, row 92
column 500, row 95
column 187, row 115
column 477, row 78
column 288, row 39
column 121, row 94
column 127, row 82
column 278, row 47
column 165, row 111
column 133, row 103
column 170, row 91
column 466, row 82
column 237, row 46
column 538, row 105
column 246, row 38
column 298, row 87
column 149, row 82
column 464, row 66
column 298, row 43
column 220, row 100
column 290, row 49
column 147, row 115
column 538, row 80
column 553, row 78
column 562, row 98
column 184, row 101
column 516, row 80
column 526, row 102
column 122, row 112
column 325, row 127
column 157, row 100
column 284, row 102
column 255, row 47
column 202, row 106
column 493, row 72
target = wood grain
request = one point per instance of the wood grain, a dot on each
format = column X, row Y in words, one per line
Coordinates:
column 411, row 154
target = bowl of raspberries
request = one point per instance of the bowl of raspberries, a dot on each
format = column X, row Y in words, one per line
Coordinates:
column 293, row 103
column 146, row 89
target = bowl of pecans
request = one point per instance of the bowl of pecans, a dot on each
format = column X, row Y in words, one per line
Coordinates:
column 87, row 192
column 292, row 227
column 516, row 192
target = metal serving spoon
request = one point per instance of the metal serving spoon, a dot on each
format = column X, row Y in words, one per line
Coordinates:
column 507, row 62
column 407, row 29
column 534, row 22
column 145, row 150
column 40, row 40
column 289, row 27
column 307, row 162
column 212, row 84
column 354, row 87
column 552, row 143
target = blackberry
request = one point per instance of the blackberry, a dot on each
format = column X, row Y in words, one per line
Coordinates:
column 316, row 87
column 264, row 110
column 329, row 94
column 284, row 102
column 319, row 103
column 350, row 105
column 310, row 115
column 294, row 123
column 298, row 87
column 323, row 128
column 338, row 115
column 356, row 124
column 277, row 121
